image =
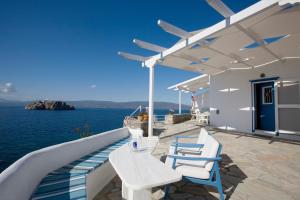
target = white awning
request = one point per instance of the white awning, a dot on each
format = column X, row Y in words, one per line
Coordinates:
column 263, row 33
column 193, row 85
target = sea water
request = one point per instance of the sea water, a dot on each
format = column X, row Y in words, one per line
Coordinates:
column 23, row 131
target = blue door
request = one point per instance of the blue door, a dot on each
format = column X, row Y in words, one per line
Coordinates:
column 265, row 106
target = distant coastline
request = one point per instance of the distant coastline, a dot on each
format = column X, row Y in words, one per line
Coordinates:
column 103, row 104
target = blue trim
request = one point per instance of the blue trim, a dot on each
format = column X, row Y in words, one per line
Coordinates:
column 264, row 79
column 252, row 106
column 253, row 97
column 188, row 145
column 194, row 158
column 214, row 177
column 253, row 82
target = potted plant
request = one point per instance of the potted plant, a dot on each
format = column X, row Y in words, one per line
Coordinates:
column 141, row 116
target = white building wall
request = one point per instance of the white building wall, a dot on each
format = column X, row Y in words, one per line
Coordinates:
column 230, row 93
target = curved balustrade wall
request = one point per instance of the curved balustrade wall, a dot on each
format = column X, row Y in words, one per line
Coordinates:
column 19, row 180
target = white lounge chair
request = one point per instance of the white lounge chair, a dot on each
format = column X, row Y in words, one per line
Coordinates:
column 188, row 148
column 199, row 168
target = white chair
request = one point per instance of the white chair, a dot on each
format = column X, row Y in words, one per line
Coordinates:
column 200, row 168
column 188, row 148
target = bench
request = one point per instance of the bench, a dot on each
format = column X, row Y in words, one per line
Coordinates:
column 71, row 181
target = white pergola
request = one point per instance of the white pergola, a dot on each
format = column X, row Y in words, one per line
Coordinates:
column 261, row 34
column 191, row 86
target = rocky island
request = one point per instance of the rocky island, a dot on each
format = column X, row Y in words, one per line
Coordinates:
column 49, row 105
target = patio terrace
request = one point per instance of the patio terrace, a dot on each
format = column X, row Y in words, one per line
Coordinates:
column 251, row 168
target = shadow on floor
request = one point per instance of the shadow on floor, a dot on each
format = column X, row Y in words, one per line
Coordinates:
column 231, row 176
column 158, row 131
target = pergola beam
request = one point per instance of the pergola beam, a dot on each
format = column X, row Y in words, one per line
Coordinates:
column 173, row 29
column 225, row 11
column 187, row 82
column 219, row 6
column 149, row 46
column 134, row 57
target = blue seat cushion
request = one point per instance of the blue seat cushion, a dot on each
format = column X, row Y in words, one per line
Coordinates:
column 69, row 181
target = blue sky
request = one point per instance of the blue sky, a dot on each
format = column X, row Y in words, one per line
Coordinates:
column 67, row 50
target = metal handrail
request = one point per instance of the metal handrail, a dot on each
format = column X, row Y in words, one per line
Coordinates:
column 139, row 108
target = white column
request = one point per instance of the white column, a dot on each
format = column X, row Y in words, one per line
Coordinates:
column 151, row 94
column 179, row 101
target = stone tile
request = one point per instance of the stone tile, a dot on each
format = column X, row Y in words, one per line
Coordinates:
column 180, row 196
column 197, row 198
column 101, row 198
column 194, row 189
column 251, row 168
column 115, row 195
column 172, row 189
column 108, row 188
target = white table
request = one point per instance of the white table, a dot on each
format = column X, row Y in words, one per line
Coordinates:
column 140, row 171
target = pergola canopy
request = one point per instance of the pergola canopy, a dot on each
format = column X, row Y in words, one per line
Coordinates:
column 263, row 33
column 192, row 85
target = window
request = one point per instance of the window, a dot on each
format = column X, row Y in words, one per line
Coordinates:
column 267, row 95
column 289, row 92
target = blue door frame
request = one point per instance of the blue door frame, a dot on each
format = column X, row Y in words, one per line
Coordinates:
column 263, row 100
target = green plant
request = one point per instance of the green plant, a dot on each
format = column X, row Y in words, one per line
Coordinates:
column 83, row 131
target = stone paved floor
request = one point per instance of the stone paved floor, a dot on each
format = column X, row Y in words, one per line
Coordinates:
column 251, row 168
column 166, row 130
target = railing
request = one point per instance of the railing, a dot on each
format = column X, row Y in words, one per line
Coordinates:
column 159, row 118
column 139, row 108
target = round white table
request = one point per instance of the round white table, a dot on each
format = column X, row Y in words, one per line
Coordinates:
column 140, row 171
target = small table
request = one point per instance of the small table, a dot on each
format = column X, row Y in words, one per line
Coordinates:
column 140, row 171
